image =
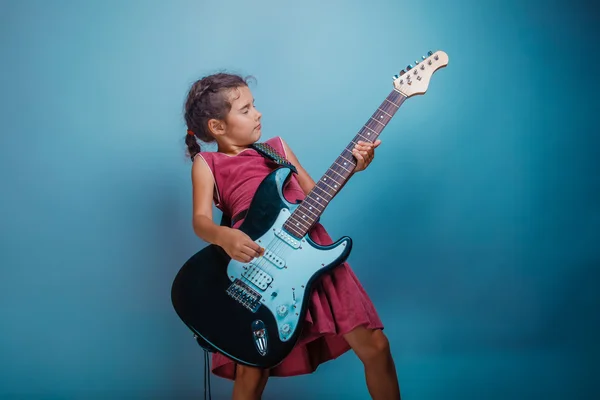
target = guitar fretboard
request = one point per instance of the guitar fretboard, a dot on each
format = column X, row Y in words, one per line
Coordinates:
column 304, row 217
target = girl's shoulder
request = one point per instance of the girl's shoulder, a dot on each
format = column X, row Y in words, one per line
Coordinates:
column 210, row 157
column 277, row 143
column 205, row 157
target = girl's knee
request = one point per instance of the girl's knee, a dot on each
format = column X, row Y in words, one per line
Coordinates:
column 373, row 347
column 380, row 343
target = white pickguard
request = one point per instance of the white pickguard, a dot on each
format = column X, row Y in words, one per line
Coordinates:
column 280, row 275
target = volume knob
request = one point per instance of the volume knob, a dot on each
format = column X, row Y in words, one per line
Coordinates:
column 285, row 329
column 282, row 310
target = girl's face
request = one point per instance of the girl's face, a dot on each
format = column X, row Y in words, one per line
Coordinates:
column 242, row 124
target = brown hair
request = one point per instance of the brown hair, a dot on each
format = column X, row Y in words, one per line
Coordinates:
column 207, row 99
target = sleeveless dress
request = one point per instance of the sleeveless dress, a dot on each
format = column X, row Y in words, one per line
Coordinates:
column 338, row 303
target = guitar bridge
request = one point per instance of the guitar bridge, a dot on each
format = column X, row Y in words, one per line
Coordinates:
column 244, row 295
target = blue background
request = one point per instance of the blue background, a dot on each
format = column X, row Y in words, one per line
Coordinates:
column 474, row 229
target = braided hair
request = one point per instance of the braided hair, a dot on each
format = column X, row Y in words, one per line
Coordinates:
column 207, row 99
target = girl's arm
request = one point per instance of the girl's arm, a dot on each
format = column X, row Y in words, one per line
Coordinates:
column 203, row 186
column 236, row 243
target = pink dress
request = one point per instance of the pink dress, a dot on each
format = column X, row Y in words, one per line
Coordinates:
column 338, row 303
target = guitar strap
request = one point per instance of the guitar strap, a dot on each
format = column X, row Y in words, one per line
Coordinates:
column 267, row 151
column 270, row 153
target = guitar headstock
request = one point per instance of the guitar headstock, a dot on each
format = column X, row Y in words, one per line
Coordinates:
column 415, row 80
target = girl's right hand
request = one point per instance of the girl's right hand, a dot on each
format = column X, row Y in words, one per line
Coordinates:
column 239, row 246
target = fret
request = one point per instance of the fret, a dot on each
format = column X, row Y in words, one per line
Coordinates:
column 382, row 117
column 338, row 176
column 347, row 159
column 385, row 112
column 302, row 223
column 312, row 202
column 371, row 130
column 350, row 147
column 378, row 121
column 320, row 199
column 332, row 188
column 333, row 170
column 342, row 167
column 335, row 176
column 390, row 110
column 307, row 209
column 391, row 102
column 348, row 153
column 324, row 191
column 364, row 138
column 320, row 196
column 298, row 221
column 310, row 219
column 332, row 177
column 305, row 213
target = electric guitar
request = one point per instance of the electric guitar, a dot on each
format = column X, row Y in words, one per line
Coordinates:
column 253, row 312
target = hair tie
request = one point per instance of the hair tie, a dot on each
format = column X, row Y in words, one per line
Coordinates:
column 189, row 132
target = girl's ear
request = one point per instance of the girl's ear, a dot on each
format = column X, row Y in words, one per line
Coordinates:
column 216, row 127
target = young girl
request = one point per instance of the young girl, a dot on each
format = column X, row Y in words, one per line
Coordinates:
column 220, row 108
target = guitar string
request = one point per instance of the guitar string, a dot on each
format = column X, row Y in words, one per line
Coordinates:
column 276, row 243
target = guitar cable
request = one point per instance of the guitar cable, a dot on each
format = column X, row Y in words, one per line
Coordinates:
column 207, row 374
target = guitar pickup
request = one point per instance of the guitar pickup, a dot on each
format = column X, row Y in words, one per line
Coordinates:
column 274, row 259
column 287, row 238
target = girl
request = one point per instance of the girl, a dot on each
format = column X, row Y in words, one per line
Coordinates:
column 220, row 108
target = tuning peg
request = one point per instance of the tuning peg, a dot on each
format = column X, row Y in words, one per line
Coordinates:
column 409, row 67
column 402, row 72
column 429, row 53
column 416, row 62
column 423, row 57
column 395, row 77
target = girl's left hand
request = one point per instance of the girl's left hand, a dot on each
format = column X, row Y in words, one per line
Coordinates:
column 364, row 153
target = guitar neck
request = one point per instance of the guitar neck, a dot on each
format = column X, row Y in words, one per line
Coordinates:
column 304, row 217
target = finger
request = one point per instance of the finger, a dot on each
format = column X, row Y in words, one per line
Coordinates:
column 252, row 252
column 253, row 245
column 257, row 248
column 360, row 161
column 360, row 145
column 248, row 252
column 243, row 258
column 377, row 143
column 358, row 155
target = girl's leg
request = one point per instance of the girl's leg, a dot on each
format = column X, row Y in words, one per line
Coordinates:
column 373, row 349
column 249, row 382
